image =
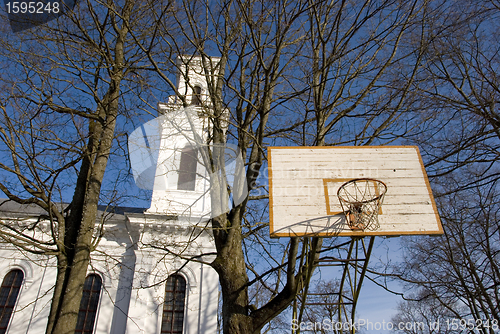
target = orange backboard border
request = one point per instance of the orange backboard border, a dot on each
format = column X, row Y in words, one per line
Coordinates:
column 439, row 230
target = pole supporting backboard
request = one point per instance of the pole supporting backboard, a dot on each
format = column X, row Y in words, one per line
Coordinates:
column 351, row 260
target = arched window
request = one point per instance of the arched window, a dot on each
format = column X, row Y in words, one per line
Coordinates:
column 9, row 291
column 89, row 304
column 196, row 98
column 173, row 307
column 187, row 169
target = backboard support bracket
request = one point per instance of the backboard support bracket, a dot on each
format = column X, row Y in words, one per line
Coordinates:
column 352, row 258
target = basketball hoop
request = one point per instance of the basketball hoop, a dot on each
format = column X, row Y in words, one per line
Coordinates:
column 361, row 200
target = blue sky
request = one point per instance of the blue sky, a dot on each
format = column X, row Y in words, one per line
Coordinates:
column 376, row 305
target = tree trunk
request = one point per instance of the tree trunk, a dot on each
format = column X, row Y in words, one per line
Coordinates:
column 73, row 265
column 82, row 218
column 78, row 242
column 233, row 278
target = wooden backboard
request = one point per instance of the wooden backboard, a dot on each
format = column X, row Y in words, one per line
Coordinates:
column 303, row 185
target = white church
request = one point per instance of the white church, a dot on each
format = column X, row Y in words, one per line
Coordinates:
column 149, row 274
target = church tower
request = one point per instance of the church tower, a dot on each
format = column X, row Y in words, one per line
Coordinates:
column 174, row 288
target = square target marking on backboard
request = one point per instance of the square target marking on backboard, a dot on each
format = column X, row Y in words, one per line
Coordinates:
column 304, row 181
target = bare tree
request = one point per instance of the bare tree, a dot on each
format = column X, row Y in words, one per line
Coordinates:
column 290, row 72
column 458, row 90
column 424, row 314
column 459, row 270
column 459, row 93
column 65, row 86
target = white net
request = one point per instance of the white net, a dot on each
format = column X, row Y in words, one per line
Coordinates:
column 361, row 200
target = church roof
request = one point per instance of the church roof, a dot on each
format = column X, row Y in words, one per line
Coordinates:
column 10, row 208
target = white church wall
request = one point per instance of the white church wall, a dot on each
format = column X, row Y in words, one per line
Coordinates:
column 206, row 312
column 180, row 241
column 133, row 276
column 33, row 304
column 109, row 261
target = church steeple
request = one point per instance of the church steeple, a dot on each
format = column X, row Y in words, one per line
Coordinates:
column 192, row 79
column 169, row 160
column 181, row 181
